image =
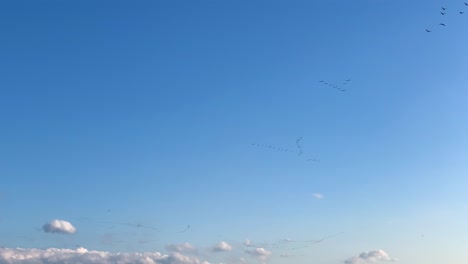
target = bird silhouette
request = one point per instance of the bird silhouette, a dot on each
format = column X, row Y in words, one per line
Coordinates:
column 183, row 231
column 444, row 8
column 427, row 30
column 461, row 13
column 443, row 13
column 442, row 24
column 466, row 4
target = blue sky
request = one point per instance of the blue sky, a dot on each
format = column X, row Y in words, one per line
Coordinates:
column 144, row 113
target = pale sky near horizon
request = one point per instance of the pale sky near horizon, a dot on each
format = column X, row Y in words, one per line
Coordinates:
column 146, row 126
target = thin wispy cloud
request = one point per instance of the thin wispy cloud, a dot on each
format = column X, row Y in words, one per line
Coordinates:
column 373, row 256
column 59, row 226
column 286, row 255
column 109, row 239
column 82, row 255
column 318, row 196
column 222, row 247
column 182, row 248
column 248, row 243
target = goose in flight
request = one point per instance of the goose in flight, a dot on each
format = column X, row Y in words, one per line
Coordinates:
column 466, row 4
column 183, row 231
column 442, row 24
column 427, row 30
column 443, row 13
column 461, row 12
column 444, row 8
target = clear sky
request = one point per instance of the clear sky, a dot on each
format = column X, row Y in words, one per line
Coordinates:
column 122, row 117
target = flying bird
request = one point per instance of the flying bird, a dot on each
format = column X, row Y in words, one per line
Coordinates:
column 427, row 30
column 466, row 4
column 444, row 8
column 310, row 242
column 443, row 13
column 442, row 24
column 461, row 13
column 120, row 223
column 183, row 231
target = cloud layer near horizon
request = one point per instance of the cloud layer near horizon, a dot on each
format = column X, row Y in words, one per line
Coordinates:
column 82, row 255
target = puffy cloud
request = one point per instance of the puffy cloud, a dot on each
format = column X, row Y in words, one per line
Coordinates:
column 82, row 255
column 259, row 253
column 318, row 196
column 178, row 258
column 59, row 226
column 222, row 247
column 370, row 257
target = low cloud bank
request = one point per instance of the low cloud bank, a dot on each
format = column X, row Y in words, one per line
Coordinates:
column 82, row 255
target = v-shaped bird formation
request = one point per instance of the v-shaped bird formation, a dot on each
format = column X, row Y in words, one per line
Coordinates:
column 341, row 86
column 298, row 147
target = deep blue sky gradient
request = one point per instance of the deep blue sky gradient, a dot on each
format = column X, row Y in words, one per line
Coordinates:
column 150, row 108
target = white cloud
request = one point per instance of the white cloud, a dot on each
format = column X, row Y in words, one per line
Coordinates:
column 222, row 247
column 259, row 253
column 370, row 257
column 59, row 226
column 82, row 255
column 178, row 258
column 318, row 196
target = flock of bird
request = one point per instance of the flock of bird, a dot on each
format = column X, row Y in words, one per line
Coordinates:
column 299, row 148
column 136, row 225
column 335, row 86
column 293, row 244
column 443, row 13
